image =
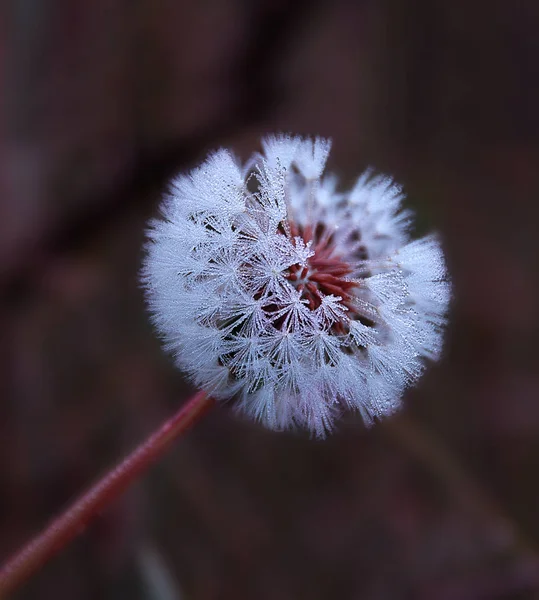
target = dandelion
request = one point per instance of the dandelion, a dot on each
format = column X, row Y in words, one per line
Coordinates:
column 294, row 300
column 280, row 293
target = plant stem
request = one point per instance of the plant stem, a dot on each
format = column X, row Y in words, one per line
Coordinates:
column 68, row 525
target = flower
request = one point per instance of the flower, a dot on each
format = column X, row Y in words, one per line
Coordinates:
column 288, row 297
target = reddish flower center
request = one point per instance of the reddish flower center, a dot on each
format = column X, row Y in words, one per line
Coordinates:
column 324, row 273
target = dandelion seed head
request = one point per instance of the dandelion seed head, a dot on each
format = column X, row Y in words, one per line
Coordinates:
column 295, row 301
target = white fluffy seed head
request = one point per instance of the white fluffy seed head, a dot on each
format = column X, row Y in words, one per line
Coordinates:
column 290, row 299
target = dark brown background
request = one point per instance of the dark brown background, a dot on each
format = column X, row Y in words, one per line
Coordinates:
column 102, row 101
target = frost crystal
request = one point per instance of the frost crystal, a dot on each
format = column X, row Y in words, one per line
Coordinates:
column 291, row 299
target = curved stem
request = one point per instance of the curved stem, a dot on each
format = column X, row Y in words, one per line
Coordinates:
column 68, row 525
column 427, row 449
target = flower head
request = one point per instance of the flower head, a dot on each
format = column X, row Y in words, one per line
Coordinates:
column 288, row 297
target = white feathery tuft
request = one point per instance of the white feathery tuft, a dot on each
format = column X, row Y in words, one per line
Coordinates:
column 295, row 301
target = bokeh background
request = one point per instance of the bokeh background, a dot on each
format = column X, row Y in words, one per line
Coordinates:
column 101, row 102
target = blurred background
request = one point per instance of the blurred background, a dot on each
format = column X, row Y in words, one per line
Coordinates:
column 100, row 103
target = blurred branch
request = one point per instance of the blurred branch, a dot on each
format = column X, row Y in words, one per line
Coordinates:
column 258, row 90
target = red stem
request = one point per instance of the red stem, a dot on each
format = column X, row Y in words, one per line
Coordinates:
column 68, row 525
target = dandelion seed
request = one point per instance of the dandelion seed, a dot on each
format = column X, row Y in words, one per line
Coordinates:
column 295, row 301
